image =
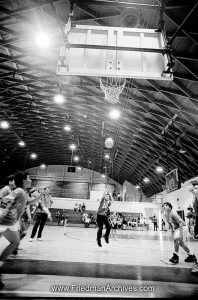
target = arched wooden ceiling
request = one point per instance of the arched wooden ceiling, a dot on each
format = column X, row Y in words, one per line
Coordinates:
column 158, row 118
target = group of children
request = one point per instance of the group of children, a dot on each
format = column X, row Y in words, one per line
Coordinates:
column 15, row 217
column 15, row 213
column 173, row 219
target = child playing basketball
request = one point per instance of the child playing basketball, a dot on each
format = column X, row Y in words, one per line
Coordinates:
column 102, row 218
column 176, row 224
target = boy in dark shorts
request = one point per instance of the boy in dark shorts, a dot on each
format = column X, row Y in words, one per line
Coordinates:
column 176, row 224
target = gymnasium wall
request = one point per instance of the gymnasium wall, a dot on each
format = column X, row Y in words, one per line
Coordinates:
column 98, row 190
column 180, row 199
column 81, row 184
column 130, row 193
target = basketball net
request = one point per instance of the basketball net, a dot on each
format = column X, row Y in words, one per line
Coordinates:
column 112, row 87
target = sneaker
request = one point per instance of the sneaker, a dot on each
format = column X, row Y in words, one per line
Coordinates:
column 39, row 239
column 190, row 258
column 99, row 243
column 23, row 235
column 174, row 259
column 15, row 252
column 30, row 240
column 106, row 239
column 195, row 269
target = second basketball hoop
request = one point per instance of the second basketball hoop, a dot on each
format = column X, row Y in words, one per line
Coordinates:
column 112, row 87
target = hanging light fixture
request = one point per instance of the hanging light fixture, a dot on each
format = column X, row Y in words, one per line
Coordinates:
column 159, row 169
column 76, row 158
column 67, row 128
column 42, row 40
column 21, row 143
column 146, row 180
column 4, row 124
column 33, row 156
column 107, row 156
column 43, row 166
column 72, row 146
column 59, row 99
column 182, row 151
column 114, row 114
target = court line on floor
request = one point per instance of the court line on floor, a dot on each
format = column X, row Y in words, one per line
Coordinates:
column 123, row 245
column 167, row 263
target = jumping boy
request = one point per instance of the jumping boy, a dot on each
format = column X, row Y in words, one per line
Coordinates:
column 102, row 218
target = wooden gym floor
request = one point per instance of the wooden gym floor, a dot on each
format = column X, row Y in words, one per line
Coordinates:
column 69, row 263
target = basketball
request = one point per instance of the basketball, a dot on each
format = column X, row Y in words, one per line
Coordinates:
column 109, row 143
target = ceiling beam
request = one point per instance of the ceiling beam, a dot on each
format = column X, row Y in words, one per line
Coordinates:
column 186, row 67
column 170, row 18
column 183, row 23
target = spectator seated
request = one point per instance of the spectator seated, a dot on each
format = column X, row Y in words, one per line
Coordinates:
column 76, row 207
column 86, row 219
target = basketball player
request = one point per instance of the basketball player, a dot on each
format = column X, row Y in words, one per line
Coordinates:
column 176, row 224
column 102, row 218
column 16, row 207
column 10, row 186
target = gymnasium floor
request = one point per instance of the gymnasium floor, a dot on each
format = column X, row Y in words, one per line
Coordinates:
column 69, row 263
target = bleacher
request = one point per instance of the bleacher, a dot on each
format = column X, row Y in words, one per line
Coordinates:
column 75, row 218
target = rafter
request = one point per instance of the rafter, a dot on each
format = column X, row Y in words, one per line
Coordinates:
column 190, row 36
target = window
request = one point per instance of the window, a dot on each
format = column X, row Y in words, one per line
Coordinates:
column 71, row 169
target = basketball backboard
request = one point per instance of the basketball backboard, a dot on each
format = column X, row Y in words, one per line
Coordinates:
column 114, row 52
column 172, row 181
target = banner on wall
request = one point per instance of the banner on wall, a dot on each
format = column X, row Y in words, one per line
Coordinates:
column 172, row 181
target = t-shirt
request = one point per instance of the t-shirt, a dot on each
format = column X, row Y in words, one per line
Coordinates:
column 174, row 220
column 154, row 219
column 5, row 191
column 20, row 201
column 104, row 207
column 7, row 201
column 47, row 200
column 15, row 202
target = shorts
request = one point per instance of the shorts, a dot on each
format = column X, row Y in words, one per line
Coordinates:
column 177, row 235
column 14, row 227
column 114, row 226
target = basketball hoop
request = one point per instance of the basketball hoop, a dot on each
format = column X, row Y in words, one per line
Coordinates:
column 112, row 87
